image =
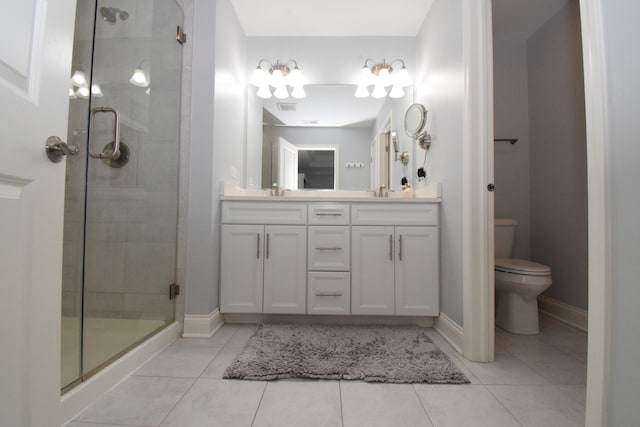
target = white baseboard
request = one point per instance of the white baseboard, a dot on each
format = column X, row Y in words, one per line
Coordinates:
column 572, row 316
column 196, row 326
column 74, row 401
column 450, row 331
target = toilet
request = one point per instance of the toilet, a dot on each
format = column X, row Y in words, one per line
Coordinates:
column 518, row 283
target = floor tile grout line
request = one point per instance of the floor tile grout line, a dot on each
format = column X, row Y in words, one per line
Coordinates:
column 210, row 362
column 255, row 414
column 504, row 406
column 413, row 386
column 179, row 400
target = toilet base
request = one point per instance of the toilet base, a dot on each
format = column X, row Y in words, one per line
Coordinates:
column 517, row 314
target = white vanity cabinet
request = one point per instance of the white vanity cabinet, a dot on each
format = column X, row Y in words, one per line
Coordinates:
column 395, row 267
column 330, row 258
column 263, row 266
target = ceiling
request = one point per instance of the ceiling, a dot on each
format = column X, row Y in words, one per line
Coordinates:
column 340, row 18
column 519, row 19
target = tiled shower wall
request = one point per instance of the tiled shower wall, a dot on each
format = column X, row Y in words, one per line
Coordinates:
column 133, row 246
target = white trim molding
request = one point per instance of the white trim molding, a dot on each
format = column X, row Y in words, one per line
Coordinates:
column 74, row 401
column 198, row 326
column 572, row 316
column 477, row 167
column 450, row 331
column 597, row 121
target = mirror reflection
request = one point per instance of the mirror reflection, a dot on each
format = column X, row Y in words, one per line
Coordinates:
column 332, row 140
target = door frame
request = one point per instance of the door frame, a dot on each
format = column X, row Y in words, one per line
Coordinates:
column 478, row 204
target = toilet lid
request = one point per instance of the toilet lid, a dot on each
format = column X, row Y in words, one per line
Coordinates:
column 521, row 266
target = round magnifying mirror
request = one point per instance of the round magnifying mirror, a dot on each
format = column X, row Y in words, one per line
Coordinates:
column 414, row 120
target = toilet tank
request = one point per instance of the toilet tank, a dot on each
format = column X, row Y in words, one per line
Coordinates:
column 505, row 231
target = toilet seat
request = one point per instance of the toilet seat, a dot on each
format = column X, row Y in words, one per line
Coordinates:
column 521, row 266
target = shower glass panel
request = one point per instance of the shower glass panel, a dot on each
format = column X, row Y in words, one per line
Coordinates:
column 121, row 208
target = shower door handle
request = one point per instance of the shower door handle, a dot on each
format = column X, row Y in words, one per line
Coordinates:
column 106, row 154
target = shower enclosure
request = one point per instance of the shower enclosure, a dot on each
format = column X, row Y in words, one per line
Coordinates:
column 122, row 188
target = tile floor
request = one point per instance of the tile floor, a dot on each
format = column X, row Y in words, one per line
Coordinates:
column 534, row 381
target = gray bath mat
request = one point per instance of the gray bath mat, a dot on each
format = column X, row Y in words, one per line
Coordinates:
column 392, row 354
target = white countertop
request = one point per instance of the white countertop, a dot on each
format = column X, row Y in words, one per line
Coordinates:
column 333, row 199
column 428, row 194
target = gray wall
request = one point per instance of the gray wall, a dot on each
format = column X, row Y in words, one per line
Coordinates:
column 511, row 120
column 217, row 142
column 353, row 146
column 440, row 87
column 622, row 154
column 558, row 162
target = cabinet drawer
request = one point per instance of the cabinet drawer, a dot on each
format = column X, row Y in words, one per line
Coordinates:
column 329, row 213
column 328, row 293
column 394, row 214
column 329, row 248
column 264, row 213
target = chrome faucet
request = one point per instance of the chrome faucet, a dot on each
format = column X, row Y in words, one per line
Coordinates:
column 275, row 189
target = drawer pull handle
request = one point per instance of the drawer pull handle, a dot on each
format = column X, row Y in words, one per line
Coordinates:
column 400, row 244
column 390, row 247
column 328, row 294
column 328, row 249
column 328, row 214
column 258, row 246
column 267, row 250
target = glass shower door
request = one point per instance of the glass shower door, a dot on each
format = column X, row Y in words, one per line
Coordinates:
column 131, row 176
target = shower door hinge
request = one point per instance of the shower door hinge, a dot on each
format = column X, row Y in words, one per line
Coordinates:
column 174, row 290
column 181, row 36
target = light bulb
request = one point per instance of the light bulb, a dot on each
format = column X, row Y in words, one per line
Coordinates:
column 281, row 92
column 277, row 78
column 362, row 91
column 298, row 92
column 396, row 91
column 379, row 91
column 366, row 77
column 83, row 92
column 96, row 91
column 384, row 77
column 258, row 78
column 79, row 78
column 264, row 92
column 295, row 77
column 403, row 78
column 139, row 78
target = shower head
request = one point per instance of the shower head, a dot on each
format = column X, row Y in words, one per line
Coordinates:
column 110, row 14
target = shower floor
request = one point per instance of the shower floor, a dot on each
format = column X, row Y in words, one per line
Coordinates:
column 104, row 338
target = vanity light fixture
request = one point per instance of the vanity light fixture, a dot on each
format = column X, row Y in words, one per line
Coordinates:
column 380, row 76
column 279, row 76
column 140, row 77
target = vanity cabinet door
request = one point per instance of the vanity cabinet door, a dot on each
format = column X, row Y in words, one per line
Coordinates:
column 241, row 269
column 372, row 273
column 285, row 269
column 416, row 271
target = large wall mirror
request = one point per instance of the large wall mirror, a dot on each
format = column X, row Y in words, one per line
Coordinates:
column 328, row 140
